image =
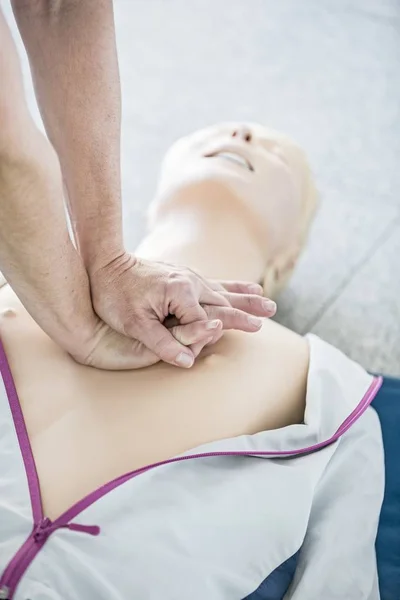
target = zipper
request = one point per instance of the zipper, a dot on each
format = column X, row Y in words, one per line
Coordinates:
column 23, row 438
column 44, row 527
column 31, row 547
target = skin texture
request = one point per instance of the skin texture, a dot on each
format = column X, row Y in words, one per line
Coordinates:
column 72, row 53
column 98, row 425
column 73, row 59
column 36, row 253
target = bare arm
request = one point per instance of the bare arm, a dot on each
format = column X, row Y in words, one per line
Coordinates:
column 73, row 58
column 72, row 52
column 36, row 253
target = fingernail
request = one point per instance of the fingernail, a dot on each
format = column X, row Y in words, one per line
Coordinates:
column 184, row 360
column 213, row 324
column 255, row 322
column 269, row 305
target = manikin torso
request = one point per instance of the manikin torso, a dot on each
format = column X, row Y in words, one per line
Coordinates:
column 88, row 426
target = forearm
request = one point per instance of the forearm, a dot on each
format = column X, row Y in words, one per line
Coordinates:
column 37, row 256
column 72, row 53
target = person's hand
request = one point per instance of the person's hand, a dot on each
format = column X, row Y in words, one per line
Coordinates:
column 104, row 348
column 135, row 296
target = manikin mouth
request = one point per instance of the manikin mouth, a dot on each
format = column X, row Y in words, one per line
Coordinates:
column 233, row 157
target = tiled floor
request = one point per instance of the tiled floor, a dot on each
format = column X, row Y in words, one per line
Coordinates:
column 325, row 72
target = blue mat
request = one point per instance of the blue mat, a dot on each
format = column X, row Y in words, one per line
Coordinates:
column 387, row 405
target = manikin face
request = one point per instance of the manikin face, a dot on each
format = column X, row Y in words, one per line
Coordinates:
column 261, row 167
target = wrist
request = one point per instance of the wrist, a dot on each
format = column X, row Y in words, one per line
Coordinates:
column 100, row 256
column 112, row 263
column 97, row 230
column 59, row 300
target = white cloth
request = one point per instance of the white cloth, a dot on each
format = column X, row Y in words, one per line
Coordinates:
column 214, row 528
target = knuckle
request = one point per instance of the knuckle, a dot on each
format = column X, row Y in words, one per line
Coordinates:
column 187, row 286
column 253, row 303
column 189, row 331
column 164, row 347
column 173, row 276
column 192, row 333
column 218, row 286
column 131, row 324
column 213, row 312
column 236, row 315
column 179, row 283
column 179, row 334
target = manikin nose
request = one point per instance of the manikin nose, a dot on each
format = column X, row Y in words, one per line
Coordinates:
column 243, row 133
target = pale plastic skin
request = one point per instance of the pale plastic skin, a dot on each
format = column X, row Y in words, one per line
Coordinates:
column 88, row 426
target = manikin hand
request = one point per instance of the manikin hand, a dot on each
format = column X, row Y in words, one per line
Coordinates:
column 134, row 297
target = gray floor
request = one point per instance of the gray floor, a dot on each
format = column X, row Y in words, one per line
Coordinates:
column 328, row 73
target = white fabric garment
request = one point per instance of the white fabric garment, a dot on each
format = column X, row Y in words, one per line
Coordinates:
column 213, row 528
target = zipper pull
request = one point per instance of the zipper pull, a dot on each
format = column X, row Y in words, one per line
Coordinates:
column 4, row 591
column 90, row 529
column 42, row 530
column 46, row 527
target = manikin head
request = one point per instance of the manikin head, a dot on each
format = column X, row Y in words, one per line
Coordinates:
column 265, row 169
column 261, row 174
